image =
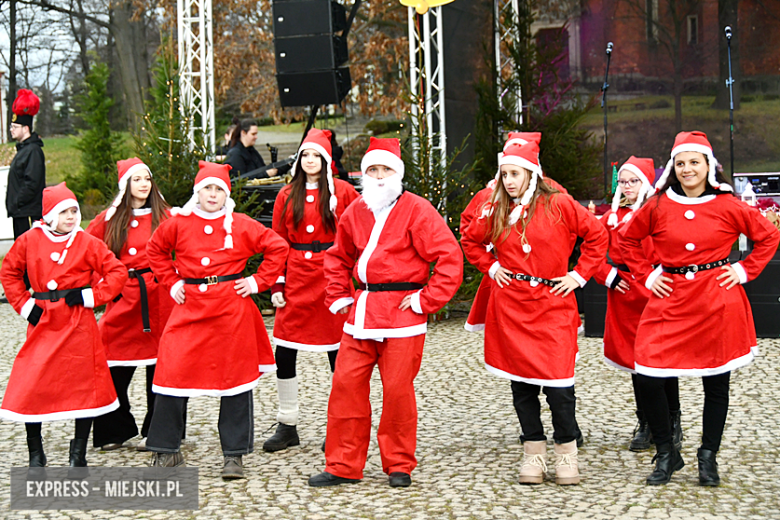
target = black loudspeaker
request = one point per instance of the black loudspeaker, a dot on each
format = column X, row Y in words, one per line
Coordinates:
column 764, row 296
column 321, row 87
column 594, row 303
column 306, row 53
column 300, row 17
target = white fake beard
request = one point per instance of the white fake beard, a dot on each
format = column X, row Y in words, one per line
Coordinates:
column 378, row 194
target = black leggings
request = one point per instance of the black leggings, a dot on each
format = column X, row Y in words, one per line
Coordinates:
column 672, row 389
column 716, row 407
column 82, row 429
column 562, row 401
column 285, row 361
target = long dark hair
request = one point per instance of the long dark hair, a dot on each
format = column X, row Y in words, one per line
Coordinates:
column 115, row 234
column 298, row 196
column 244, row 125
column 672, row 180
column 502, row 207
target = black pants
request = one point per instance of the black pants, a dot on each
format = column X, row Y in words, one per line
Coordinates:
column 82, row 429
column 672, row 389
column 562, row 403
column 716, row 407
column 119, row 425
column 236, row 424
column 21, row 225
column 287, row 357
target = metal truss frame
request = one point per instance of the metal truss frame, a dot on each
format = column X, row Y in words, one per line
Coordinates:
column 502, row 37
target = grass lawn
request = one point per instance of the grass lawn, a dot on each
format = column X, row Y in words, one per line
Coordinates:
column 297, row 128
column 637, row 129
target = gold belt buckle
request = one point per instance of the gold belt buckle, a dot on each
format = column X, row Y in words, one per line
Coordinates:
column 211, row 280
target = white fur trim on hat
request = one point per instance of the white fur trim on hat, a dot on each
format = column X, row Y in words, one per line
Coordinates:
column 333, row 202
column 516, row 140
column 59, row 208
column 208, row 181
column 693, row 147
column 644, row 190
column 123, row 187
column 383, row 157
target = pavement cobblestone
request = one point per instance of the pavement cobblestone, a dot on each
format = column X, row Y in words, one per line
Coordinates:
column 468, row 447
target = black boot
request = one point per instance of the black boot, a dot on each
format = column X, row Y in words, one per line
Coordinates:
column 677, row 435
column 667, row 461
column 708, row 468
column 284, row 437
column 37, row 456
column 642, row 439
column 78, row 453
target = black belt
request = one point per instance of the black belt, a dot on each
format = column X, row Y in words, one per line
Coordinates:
column 693, row 268
column 622, row 267
column 54, row 296
column 136, row 273
column 315, row 246
column 400, row 286
column 213, row 280
column 527, row 278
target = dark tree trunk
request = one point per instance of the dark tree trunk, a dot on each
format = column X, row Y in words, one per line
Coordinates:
column 12, row 61
column 129, row 36
column 727, row 15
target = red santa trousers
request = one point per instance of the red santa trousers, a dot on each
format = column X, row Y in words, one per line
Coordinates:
column 349, row 409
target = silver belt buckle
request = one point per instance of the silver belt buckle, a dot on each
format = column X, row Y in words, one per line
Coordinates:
column 694, row 268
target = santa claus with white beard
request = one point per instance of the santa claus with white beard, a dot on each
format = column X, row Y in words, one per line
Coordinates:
column 387, row 239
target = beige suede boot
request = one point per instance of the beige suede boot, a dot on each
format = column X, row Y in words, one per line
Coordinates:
column 566, row 468
column 533, row 468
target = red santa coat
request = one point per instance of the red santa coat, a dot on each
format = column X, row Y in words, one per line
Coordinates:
column 215, row 343
column 305, row 322
column 623, row 310
column 702, row 329
column 531, row 335
column 61, row 370
column 121, row 326
column 396, row 244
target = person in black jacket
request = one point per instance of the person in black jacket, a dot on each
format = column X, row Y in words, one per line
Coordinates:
column 242, row 156
column 27, row 174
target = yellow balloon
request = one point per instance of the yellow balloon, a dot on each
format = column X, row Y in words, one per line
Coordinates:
column 421, row 6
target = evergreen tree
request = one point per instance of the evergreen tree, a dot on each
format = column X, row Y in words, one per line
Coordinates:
column 100, row 147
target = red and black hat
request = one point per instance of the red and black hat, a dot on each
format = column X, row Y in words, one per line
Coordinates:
column 25, row 106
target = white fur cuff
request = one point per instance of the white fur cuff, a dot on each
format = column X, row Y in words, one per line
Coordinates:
column 89, row 298
column 252, row 284
column 27, row 308
column 611, row 277
column 743, row 277
column 416, row 307
column 340, row 304
column 493, row 269
column 175, row 288
column 580, row 280
column 652, row 277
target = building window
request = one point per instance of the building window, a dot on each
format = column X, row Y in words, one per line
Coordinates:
column 651, row 20
column 693, row 30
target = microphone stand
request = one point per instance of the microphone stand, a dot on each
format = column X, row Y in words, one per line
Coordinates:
column 730, row 83
column 604, row 88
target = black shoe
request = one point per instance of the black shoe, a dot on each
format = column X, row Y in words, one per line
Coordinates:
column 323, row 444
column 328, row 479
column 667, row 461
column 3, row 299
column 398, row 479
column 677, row 434
column 708, row 468
column 78, row 453
column 642, row 437
column 284, row 437
column 37, row 456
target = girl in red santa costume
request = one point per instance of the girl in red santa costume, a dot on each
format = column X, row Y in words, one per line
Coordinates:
column 305, row 214
column 61, row 371
column 214, row 343
column 627, row 298
column 698, row 321
column 387, row 239
column 131, row 326
column 531, row 323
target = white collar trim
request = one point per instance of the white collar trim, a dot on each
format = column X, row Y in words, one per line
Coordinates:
column 208, row 216
column 56, row 238
column 689, row 201
column 312, row 185
column 142, row 211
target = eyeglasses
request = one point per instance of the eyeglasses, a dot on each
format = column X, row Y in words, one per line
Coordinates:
column 630, row 182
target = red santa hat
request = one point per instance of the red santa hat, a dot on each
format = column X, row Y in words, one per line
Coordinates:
column 693, row 142
column 126, row 169
column 319, row 141
column 386, row 152
column 525, row 156
column 218, row 174
column 644, row 169
column 25, row 106
column 515, row 138
column 57, row 199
